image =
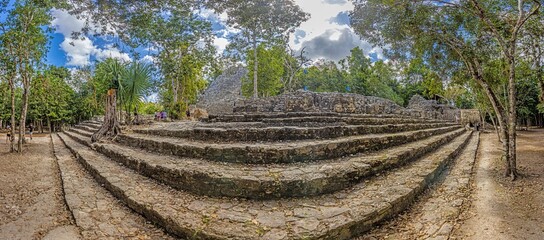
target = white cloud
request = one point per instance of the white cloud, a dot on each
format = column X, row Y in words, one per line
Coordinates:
column 220, row 44
column 328, row 39
column 335, row 36
column 148, row 59
column 79, row 51
column 319, row 21
column 65, row 23
column 110, row 52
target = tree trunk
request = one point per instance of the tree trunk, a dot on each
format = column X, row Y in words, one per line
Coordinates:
column 49, row 125
column 110, row 128
column 12, row 121
column 255, row 68
column 512, row 117
column 495, row 127
column 22, row 123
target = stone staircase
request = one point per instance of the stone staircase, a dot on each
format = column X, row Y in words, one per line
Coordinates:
column 272, row 176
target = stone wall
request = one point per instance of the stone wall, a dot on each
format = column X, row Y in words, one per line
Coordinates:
column 470, row 116
column 306, row 101
column 434, row 109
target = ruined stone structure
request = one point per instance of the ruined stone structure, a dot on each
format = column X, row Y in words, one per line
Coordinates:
column 223, row 92
column 303, row 166
column 305, row 101
column 470, row 116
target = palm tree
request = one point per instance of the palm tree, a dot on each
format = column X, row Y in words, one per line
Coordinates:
column 112, row 71
column 135, row 83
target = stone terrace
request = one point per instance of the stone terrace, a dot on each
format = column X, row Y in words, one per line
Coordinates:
column 272, row 175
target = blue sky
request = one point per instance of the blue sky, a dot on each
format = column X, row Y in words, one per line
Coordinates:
column 326, row 35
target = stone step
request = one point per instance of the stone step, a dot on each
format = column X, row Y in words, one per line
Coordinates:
column 95, row 126
column 271, row 181
column 340, row 215
column 85, row 128
column 83, row 132
column 270, row 134
column 350, row 119
column 79, row 138
column 91, row 122
column 251, row 117
column 276, row 152
column 347, row 120
column 438, row 211
column 97, row 213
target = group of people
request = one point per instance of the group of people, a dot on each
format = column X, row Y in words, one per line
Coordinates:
column 8, row 136
column 159, row 116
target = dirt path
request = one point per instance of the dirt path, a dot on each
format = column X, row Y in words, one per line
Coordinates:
column 502, row 209
column 31, row 202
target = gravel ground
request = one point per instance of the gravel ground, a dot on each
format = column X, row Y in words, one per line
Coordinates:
column 31, row 198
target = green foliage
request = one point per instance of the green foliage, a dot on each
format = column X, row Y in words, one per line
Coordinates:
column 271, row 71
column 150, row 107
column 180, row 39
column 528, row 92
column 260, row 22
column 382, row 83
column 135, row 82
column 325, row 77
column 109, row 75
column 52, row 99
column 432, row 85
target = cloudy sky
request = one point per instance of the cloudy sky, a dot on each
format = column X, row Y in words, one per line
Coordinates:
column 325, row 35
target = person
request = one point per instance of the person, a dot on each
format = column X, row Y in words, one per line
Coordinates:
column 30, row 130
column 163, row 115
column 8, row 138
column 188, row 113
column 136, row 118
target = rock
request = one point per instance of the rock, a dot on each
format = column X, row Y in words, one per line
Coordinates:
column 69, row 232
column 199, row 113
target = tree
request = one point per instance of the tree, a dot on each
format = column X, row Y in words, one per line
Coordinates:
column 371, row 79
column 25, row 39
column 358, row 67
column 9, row 74
column 111, row 71
column 293, row 62
column 135, row 82
column 52, row 99
column 271, row 72
column 382, row 82
column 470, row 32
column 324, row 76
column 259, row 21
column 180, row 41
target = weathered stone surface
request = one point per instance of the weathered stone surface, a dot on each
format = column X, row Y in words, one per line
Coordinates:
column 265, row 182
column 85, row 128
column 269, row 116
column 304, row 101
column 82, row 132
column 434, row 109
column 286, row 133
column 291, row 152
column 96, row 212
column 332, row 171
column 223, row 92
column 435, row 216
column 340, row 215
